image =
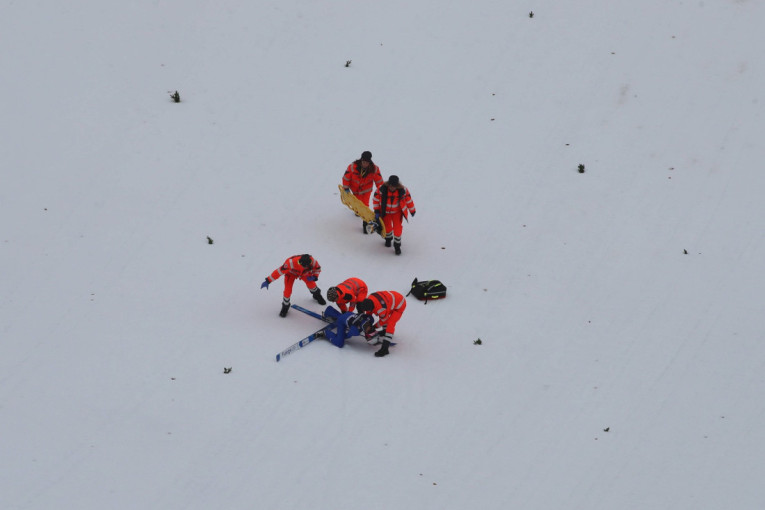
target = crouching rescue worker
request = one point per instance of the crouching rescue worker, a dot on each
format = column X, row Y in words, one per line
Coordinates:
column 388, row 306
column 392, row 203
column 298, row 267
column 348, row 293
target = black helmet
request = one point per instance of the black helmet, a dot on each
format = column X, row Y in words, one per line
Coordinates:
column 365, row 306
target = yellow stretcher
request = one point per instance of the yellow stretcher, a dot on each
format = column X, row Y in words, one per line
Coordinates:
column 364, row 212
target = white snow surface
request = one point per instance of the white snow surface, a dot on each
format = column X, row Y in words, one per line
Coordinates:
column 616, row 371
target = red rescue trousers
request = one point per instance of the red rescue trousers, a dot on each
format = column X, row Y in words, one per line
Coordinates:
column 393, row 318
column 364, row 197
column 393, row 223
column 289, row 280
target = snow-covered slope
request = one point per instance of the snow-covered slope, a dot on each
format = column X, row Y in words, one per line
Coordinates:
column 621, row 362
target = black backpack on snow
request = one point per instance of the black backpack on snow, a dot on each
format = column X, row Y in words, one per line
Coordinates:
column 427, row 290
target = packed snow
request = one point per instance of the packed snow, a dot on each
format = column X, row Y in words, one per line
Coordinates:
column 621, row 362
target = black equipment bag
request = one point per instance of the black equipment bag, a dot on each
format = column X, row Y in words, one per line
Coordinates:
column 427, row 290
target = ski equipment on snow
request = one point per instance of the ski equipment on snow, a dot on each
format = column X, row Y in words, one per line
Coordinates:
column 302, row 343
column 313, row 314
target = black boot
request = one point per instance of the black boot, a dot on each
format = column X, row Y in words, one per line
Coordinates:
column 388, row 240
column 364, row 227
column 285, row 309
column 383, row 350
column 397, row 247
column 317, row 296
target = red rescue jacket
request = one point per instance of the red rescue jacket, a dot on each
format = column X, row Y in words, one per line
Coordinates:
column 350, row 292
column 392, row 201
column 293, row 268
column 361, row 181
column 384, row 303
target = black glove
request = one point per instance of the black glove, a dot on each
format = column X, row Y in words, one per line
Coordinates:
column 413, row 213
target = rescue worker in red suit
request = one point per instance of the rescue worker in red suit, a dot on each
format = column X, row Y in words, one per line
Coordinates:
column 298, row 267
column 361, row 177
column 388, row 306
column 348, row 293
column 392, row 203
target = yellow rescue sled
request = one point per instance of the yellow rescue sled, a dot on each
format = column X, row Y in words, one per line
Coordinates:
column 361, row 210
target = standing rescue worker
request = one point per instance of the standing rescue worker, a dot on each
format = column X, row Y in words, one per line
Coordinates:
column 392, row 203
column 348, row 293
column 388, row 306
column 361, row 177
column 298, row 267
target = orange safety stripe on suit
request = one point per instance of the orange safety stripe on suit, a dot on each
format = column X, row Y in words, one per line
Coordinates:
column 350, row 292
column 388, row 305
column 293, row 268
column 398, row 201
column 359, row 184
